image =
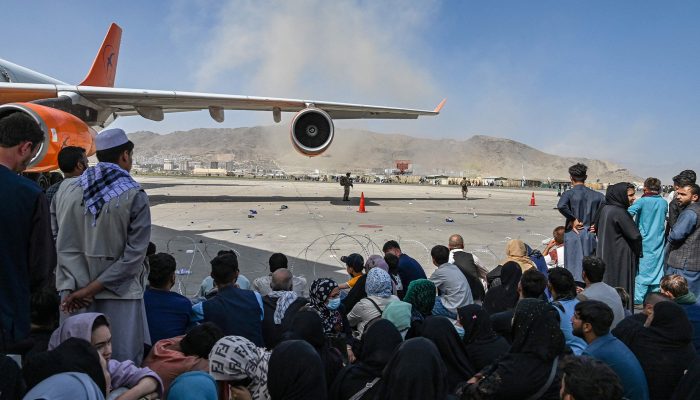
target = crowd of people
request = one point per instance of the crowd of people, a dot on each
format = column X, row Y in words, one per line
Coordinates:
column 608, row 310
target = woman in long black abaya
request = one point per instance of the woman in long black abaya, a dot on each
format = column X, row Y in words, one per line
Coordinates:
column 619, row 239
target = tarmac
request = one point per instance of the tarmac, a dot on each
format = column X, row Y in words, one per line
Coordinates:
column 194, row 218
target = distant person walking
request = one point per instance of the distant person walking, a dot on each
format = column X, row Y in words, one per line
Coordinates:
column 346, row 183
column 649, row 213
column 465, row 187
column 578, row 205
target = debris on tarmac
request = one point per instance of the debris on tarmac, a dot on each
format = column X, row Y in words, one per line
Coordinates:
column 521, row 218
column 448, row 219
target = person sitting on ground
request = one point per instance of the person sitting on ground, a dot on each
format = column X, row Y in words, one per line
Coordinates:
column 414, row 372
column 529, row 369
column 241, row 366
column 596, row 289
column 675, row 287
column 563, row 289
column 393, row 262
column 625, row 297
column 208, row 289
column 193, row 385
column 469, row 264
column 662, row 344
column 324, row 299
column 689, row 385
column 504, row 296
column 11, row 383
column 648, row 304
column 281, row 304
column 399, row 314
column 168, row 313
column 376, row 347
column 354, row 265
column 453, row 287
column 378, row 287
column 73, row 355
column 554, row 251
column 125, row 376
column 442, row 332
column 516, row 250
column 44, row 320
column 587, row 379
column 172, row 357
column 277, row 261
column 591, row 322
column 72, row 161
column 421, row 296
column 236, row 311
column 532, row 285
column 482, row 344
column 358, row 291
column 409, row 268
column 295, row 372
column 307, row 326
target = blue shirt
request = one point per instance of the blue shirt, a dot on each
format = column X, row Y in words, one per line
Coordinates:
column 610, row 350
column 168, row 313
column 409, row 270
column 683, row 227
column 576, row 344
column 197, row 313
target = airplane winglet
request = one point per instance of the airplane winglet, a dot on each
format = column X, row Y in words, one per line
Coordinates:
column 439, row 107
column 104, row 68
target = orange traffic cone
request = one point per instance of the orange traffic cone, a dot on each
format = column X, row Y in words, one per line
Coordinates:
column 362, row 203
column 532, row 200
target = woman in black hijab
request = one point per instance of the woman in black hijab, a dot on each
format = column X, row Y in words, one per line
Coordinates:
column 73, row 355
column 483, row 346
column 529, row 369
column 295, row 372
column 663, row 346
column 441, row 332
column 377, row 346
column 307, row 325
column 505, row 296
column 619, row 239
column 415, row 372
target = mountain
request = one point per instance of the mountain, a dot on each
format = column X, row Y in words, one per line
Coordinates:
column 358, row 150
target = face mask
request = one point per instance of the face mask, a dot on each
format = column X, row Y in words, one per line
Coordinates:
column 460, row 331
column 333, row 304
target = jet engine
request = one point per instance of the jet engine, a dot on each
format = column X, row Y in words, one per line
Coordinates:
column 312, row 131
column 60, row 130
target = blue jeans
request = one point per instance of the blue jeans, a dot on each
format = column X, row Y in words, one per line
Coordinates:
column 439, row 309
column 693, row 278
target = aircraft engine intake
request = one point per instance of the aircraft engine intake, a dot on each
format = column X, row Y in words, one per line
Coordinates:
column 60, row 129
column 312, row 131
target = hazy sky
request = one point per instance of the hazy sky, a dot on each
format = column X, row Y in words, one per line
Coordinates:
column 616, row 80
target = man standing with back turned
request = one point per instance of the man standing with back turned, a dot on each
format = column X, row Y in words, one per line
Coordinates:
column 26, row 248
column 346, row 183
column 102, row 225
column 578, row 206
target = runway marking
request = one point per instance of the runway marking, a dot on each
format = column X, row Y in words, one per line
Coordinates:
column 370, row 226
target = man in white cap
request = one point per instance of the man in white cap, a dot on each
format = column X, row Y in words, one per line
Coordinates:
column 102, row 225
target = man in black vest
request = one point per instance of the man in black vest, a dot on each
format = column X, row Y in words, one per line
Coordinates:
column 236, row 311
column 27, row 253
column 468, row 264
column 280, row 305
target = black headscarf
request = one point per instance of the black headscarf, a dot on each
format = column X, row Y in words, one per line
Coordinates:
column 482, row 344
column 307, row 326
column 295, row 372
column 380, row 340
column 671, row 322
column 536, row 330
column 441, row 332
column 73, row 355
column 504, row 296
column 476, row 323
column 415, row 371
column 11, row 386
column 616, row 196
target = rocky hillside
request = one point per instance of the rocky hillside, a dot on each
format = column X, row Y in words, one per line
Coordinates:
column 357, row 150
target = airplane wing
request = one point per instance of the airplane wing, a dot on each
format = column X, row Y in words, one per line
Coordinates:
column 152, row 104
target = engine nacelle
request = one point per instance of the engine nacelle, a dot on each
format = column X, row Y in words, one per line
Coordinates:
column 60, row 130
column 312, row 131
